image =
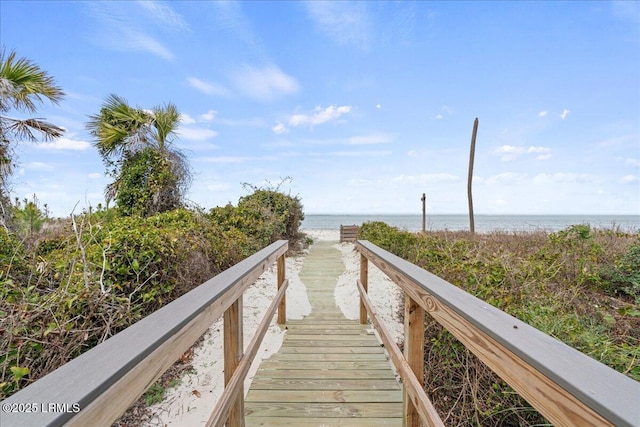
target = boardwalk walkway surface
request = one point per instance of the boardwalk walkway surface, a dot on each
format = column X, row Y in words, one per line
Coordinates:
column 330, row 371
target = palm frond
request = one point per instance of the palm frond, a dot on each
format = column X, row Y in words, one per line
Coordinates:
column 25, row 129
column 119, row 128
column 166, row 122
column 22, row 83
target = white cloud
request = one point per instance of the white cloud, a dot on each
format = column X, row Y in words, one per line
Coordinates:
column 121, row 26
column 264, row 83
column 370, row 139
column 38, row 166
column 163, row 14
column 505, row 178
column 227, row 159
column 564, row 114
column 279, row 129
column 343, row 22
column 632, row 162
column 186, row 119
column 426, row 178
column 509, row 153
column 94, row 175
column 207, row 88
column 378, row 106
column 629, row 179
column 319, row 116
column 135, row 40
column 196, row 134
column 208, row 116
column 439, row 116
column 565, row 177
column 542, row 114
column 65, row 144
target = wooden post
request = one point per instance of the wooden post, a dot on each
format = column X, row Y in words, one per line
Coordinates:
column 233, row 352
column 282, row 307
column 364, row 279
column 424, row 212
column 414, row 353
column 472, row 152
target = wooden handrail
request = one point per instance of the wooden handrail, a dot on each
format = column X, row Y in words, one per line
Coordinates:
column 566, row 386
column 103, row 382
column 414, row 388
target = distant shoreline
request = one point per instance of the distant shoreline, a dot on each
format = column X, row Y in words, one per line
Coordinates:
column 483, row 222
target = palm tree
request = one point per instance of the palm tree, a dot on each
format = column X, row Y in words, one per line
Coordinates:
column 22, row 85
column 150, row 175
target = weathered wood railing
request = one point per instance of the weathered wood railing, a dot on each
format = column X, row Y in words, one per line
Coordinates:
column 563, row 384
column 97, row 387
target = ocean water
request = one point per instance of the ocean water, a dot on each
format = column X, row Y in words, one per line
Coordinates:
column 483, row 223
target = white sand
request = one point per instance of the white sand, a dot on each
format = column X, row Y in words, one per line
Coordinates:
column 192, row 402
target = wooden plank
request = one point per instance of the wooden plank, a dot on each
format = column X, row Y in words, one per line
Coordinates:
column 259, row 383
column 414, row 353
column 325, row 331
column 315, row 350
column 233, row 389
column 302, row 374
column 311, row 357
column 323, row 422
column 323, row 365
column 233, row 351
column 364, row 280
column 335, row 336
column 325, row 410
column 328, row 342
column 325, row 396
column 281, row 277
column 411, row 386
column 566, row 386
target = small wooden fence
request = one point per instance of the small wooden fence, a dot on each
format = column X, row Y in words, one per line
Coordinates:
column 566, row 386
column 97, row 387
column 348, row 233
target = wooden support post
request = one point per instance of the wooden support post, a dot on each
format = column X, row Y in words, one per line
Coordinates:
column 472, row 226
column 282, row 307
column 364, row 279
column 414, row 354
column 233, row 352
column 424, row 212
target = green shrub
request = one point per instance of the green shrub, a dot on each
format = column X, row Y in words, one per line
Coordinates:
column 624, row 276
column 550, row 281
column 265, row 216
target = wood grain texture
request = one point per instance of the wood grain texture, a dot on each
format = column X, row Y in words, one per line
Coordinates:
column 233, row 391
column 412, row 389
column 329, row 370
column 233, row 351
column 414, row 354
column 566, row 386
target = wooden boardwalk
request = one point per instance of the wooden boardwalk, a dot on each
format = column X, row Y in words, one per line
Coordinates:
column 330, row 371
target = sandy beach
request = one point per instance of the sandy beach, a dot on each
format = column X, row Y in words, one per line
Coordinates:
column 193, row 400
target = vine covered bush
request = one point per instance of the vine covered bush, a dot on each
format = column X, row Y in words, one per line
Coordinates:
column 81, row 280
column 266, row 215
column 578, row 285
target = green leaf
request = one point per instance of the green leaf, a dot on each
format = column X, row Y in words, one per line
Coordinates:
column 18, row 372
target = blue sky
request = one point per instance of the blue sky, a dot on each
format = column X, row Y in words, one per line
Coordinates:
column 366, row 105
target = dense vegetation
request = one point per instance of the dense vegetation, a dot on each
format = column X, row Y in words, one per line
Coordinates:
column 74, row 283
column 580, row 285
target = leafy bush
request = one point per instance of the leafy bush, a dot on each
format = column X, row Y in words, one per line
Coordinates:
column 552, row 281
column 624, row 276
column 266, row 215
column 87, row 285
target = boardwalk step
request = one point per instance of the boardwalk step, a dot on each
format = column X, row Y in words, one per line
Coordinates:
column 330, row 371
